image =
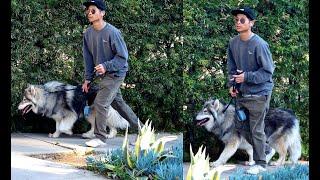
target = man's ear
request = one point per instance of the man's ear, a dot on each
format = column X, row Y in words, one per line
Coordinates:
column 252, row 23
column 103, row 13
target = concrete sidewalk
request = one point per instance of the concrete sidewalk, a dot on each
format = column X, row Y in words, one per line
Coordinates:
column 25, row 146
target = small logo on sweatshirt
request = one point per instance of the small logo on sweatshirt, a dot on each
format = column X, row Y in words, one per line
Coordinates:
column 250, row 52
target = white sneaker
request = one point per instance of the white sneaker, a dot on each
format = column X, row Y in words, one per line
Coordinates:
column 256, row 169
column 270, row 155
column 95, row 143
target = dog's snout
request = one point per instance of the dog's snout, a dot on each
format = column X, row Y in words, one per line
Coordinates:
column 195, row 118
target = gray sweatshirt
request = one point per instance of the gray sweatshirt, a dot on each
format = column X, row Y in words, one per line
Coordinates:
column 254, row 58
column 107, row 47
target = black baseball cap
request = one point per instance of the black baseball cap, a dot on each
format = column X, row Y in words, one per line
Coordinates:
column 99, row 3
column 246, row 11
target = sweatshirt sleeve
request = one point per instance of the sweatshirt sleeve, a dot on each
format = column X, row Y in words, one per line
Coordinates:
column 120, row 50
column 264, row 59
column 232, row 67
column 88, row 61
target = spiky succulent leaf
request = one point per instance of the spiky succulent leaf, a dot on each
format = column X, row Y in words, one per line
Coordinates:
column 199, row 166
column 147, row 137
column 130, row 164
column 125, row 148
column 125, row 139
column 137, row 147
column 158, row 146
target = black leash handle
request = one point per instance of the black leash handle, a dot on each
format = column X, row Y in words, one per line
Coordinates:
column 233, row 90
column 94, row 77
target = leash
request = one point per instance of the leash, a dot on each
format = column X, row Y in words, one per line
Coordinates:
column 225, row 109
column 94, row 77
column 233, row 90
column 232, row 98
column 241, row 114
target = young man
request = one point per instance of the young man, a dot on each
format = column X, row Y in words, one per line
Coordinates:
column 105, row 53
column 251, row 66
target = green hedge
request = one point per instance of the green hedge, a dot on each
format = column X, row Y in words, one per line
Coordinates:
column 177, row 55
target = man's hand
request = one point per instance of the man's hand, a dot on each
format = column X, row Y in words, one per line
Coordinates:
column 85, row 86
column 233, row 92
column 240, row 77
column 100, row 69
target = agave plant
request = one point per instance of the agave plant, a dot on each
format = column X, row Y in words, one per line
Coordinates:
column 199, row 167
column 148, row 159
column 146, row 141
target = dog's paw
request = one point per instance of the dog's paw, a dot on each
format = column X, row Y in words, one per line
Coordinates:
column 88, row 135
column 215, row 164
column 249, row 163
column 68, row 132
column 275, row 163
column 54, row 135
column 110, row 136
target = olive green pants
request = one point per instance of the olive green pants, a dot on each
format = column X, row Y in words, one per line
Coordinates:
column 109, row 94
column 257, row 107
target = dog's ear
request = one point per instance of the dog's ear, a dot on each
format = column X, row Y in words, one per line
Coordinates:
column 216, row 104
column 32, row 90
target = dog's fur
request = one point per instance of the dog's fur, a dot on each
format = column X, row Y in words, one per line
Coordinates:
column 281, row 128
column 64, row 103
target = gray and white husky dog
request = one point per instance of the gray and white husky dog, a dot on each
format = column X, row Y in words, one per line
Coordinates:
column 65, row 103
column 281, row 128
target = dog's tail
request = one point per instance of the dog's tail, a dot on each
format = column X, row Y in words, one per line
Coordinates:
column 294, row 147
column 116, row 120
